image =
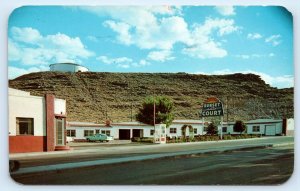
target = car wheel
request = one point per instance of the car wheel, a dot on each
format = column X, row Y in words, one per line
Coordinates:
column 88, row 140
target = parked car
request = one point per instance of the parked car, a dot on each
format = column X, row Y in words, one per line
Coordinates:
column 99, row 137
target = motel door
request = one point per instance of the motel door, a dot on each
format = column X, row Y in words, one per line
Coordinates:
column 59, row 131
column 270, row 130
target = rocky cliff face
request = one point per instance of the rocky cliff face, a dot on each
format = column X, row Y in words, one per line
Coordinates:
column 95, row 96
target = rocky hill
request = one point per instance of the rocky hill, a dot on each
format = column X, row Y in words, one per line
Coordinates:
column 95, row 96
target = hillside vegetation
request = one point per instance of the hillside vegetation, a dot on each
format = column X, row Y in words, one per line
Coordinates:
column 96, row 96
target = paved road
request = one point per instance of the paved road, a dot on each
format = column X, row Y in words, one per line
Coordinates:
column 272, row 165
column 99, row 152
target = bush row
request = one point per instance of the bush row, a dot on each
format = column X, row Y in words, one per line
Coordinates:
column 198, row 138
column 142, row 139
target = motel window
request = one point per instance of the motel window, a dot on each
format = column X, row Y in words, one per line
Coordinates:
column 97, row 131
column 195, row 131
column 24, row 126
column 224, row 129
column 173, row 130
column 88, row 133
column 256, row 129
column 71, row 133
column 106, row 132
column 152, row 132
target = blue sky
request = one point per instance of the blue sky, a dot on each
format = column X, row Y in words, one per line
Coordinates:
column 194, row 39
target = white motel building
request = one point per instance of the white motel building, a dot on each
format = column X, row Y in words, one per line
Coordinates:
column 128, row 130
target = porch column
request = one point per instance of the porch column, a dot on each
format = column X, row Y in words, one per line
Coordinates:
column 49, row 99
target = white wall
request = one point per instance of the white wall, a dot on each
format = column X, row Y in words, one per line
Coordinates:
column 81, row 69
column 59, row 106
column 28, row 107
column 80, row 131
column 146, row 130
column 199, row 127
column 67, row 68
column 114, row 131
column 290, row 127
column 290, row 124
column 262, row 125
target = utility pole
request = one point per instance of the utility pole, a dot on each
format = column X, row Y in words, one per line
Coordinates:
column 154, row 105
column 227, row 108
column 130, row 97
column 105, row 101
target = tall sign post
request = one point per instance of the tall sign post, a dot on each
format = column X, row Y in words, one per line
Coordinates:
column 212, row 107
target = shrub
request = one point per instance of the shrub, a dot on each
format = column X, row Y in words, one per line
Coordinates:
column 239, row 126
column 212, row 129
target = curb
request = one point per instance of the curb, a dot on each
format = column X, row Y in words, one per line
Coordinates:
column 84, row 164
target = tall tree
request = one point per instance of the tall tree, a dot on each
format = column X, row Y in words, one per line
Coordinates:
column 239, row 126
column 212, row 129
column 163, row 111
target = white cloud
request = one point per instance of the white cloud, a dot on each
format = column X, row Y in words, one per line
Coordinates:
column 222, row 26
column 160, row 27
column 29, row 47
column 14, row 72
column 160, row 56
column 123, row 65
column 271, row 55
column 92, row 38
column 274, row 40
column 122, row 62
column 159, row 34
column 141, row 63
column 254, row 36
column 133, row 15
column 122, row 29
column 119, row 60
column 285, row 81
column 26, row 35
column 144, row 63
column 210, row 49
column 245, row 56
column 225, row 10
column 202, row 45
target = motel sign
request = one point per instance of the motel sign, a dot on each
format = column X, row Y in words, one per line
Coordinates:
column 212, row 107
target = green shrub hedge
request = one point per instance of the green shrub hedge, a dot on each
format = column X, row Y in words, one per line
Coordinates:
column 198, row 138
column 142, row 139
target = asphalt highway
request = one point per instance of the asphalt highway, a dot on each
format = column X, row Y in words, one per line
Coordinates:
column 260, row 166
column 96, row 151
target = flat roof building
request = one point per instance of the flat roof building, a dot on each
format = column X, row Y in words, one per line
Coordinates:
column 67, row 67
column 36, row 123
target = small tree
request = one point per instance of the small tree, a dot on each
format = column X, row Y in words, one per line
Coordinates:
column 212, row 129
column 239, row 126
column 163, row 111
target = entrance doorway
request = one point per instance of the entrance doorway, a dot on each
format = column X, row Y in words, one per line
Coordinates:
column 59, row 131
column 137, row 133
column 270, row 130
column 124, row 134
